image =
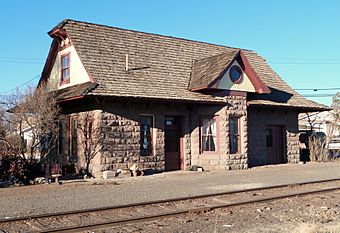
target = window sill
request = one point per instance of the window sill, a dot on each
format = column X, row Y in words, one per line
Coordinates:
column 236, row 154
column 210, row 153
column 64, row 82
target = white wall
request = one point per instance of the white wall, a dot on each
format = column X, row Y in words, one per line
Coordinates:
column 78, row 73
column 227, row 84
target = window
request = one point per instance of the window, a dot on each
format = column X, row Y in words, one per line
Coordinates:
column 269, row 137
column 65, row 68
column 65, row 135
column 234, row 136
column 146, row 125
column 74, row 136
column 25, row 144
column 61, row 139
column 208, row 134
column 44, row 142
column 235, row 74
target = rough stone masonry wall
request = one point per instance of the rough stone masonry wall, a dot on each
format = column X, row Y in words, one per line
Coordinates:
column 258, row 119
column 238, row 107
column 121, row 128
column 222, row 159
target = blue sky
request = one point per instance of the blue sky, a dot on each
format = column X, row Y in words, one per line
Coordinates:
column 299, row 39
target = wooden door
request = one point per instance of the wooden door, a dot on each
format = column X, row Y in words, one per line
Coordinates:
column 274, row 143
column 173, row 153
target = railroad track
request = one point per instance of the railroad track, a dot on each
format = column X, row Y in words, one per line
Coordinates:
column 99, row 218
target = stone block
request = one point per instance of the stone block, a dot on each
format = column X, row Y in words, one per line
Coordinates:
column 109, row 174
column 214, row 162
column 235, row 167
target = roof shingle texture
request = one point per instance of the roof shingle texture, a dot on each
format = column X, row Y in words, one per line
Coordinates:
column 74, row 91
column 160, row 66
column 205, row 70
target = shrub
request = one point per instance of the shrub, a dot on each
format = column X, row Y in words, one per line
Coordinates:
column 19, row 170
column 318, row 147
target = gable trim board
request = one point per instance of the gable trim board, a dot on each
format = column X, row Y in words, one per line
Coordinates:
column 169, row 76
column 211, row 73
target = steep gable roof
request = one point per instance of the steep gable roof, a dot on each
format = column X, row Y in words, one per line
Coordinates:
column 207, row 72
column 160, row 66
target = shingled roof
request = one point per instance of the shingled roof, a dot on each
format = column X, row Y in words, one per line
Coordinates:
column 160, row 66
column 75, row 91
column 207, row 69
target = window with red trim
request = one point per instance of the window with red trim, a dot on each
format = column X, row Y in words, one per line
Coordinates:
column 209, row 134
column 65, row 68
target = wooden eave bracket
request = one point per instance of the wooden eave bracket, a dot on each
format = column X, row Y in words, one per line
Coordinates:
column 58, row 33
column 62, row 36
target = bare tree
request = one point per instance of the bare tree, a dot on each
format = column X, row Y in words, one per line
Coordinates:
column 319, row 144
column 334, row 124
column 333, row 127
column 28, row 123
column 4, row 147
column 89, row 137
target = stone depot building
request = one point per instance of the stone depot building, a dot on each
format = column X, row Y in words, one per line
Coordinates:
column 167, row 103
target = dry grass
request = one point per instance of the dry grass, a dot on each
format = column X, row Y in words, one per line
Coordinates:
column 318, row 149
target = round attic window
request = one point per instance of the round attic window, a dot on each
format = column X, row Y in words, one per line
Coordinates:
column 235, row 74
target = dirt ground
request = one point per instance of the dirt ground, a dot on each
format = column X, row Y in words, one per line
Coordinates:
column 308, row 214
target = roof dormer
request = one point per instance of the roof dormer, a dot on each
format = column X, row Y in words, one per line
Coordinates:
column 228, row 71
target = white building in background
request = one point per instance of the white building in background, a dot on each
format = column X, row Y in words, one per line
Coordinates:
column 319, row 122
column 325, row 122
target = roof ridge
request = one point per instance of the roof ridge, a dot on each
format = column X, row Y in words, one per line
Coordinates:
column 65, row 21
column 233, row 51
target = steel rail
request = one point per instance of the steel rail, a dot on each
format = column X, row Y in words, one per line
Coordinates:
column 113, row 223
column 81, row 211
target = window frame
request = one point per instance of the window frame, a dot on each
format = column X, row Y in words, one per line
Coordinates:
column 239, row 80
column 73, row 134
column 269, row 138
column 61, row 138
column 64, row 80
column 152, row 146
column 217, row 146
column 238, row 120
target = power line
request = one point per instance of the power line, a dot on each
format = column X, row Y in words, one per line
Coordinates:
column 25, row 62
column 317, row 89
column 303, row 58
column 28, row 60
column 303, row 63
column 22, row 58
column 319, row 95
column 21, row 85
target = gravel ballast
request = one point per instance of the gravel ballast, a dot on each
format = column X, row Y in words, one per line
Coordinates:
column 72, row 195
